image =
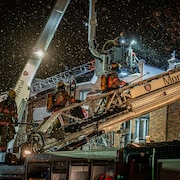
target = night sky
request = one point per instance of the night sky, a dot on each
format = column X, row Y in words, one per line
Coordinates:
column 154, row 24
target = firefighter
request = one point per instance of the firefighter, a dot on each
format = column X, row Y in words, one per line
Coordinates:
column 61, row 97
column 59, row 101
column 113, row 81
column 8, row 119
column 121, row 40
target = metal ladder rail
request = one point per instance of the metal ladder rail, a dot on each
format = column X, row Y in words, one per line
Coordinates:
column 65, row 76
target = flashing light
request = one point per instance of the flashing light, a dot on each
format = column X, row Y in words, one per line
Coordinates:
column 123, row 41
column 39, row 53
column 25, row 150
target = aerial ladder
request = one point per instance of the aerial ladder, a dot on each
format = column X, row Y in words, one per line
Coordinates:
column 105, row 111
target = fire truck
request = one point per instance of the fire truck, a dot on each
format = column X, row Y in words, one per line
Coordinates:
column 105, row 110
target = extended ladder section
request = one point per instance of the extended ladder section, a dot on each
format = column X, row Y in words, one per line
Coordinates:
column 51, row 82
column 104, row 111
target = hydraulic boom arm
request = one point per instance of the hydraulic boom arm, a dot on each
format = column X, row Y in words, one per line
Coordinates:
column 22, row 87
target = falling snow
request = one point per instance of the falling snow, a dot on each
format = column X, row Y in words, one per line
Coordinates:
column 155, row 25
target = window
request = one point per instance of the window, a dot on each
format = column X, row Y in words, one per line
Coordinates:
column 125, row 129
column 141, row 129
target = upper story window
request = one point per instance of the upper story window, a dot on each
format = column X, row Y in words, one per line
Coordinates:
column 141, row 128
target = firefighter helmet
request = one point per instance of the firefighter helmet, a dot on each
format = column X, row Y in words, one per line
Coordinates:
column 60, row 85
column 116, row 65
column 12, row 94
